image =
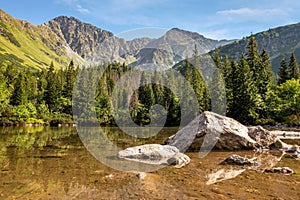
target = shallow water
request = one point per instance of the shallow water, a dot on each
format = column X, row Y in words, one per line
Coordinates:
column 52, row 163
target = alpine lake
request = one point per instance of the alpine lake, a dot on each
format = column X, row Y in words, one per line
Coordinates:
column 53, row 163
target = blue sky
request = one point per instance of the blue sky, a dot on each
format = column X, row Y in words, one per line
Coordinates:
column 216, row 19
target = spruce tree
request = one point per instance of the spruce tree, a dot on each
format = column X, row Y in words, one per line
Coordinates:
column 266, row 84
column 52, row 89
column 268, row 74
column 217, row 60
column 19, row 96
column 158, row 89
column 283, row 74
column 253, row 59
column 146, row 95
column 245, row 100
column 293, row 68
column 227, row 74
column 70, row 80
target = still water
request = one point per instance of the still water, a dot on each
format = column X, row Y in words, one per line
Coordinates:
column 53, row 163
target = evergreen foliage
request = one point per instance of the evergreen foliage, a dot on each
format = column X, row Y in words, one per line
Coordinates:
column 252, row 97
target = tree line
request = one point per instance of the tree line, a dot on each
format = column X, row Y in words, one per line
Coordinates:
column 254, row 94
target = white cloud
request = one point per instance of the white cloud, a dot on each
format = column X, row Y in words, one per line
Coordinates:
column 68, row 2
column 74, row 4
column 82, row 10
column 243, row 14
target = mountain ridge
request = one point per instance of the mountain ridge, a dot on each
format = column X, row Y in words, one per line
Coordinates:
column 278, row 42
column 67, row 38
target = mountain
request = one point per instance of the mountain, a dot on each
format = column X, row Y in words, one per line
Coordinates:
column 97, row 46
column 94, row 44
column 175, row 46
column 23, row 44
column 65, row 38
column 278, row 42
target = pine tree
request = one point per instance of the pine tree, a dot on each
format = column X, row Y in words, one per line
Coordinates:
column 19, row 96
column 293, row 68
column 268, row 74
column 217, row 60
column 253, row 59
column 70, row 80
column 146, row 95
column 52, row 89
column 227, row 74
column 283, row 72
column 245, row 93
column 265, row 85
column 158, row 89
column 200, row 89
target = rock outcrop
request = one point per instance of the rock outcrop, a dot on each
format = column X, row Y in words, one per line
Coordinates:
column 222, row 133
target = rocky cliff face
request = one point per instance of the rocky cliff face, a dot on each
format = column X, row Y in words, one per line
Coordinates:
column 98, row 46
column 94, row 44
column 81, row 37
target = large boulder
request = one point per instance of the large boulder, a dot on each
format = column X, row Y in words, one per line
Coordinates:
column 220, row 132
column 155, row 154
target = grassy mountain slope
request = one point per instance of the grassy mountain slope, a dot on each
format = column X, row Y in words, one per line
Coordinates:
column 27, row 45
column 278, row 42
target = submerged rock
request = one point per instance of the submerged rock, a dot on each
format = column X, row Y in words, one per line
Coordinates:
column 281, row 170
column 234, row 165
column 292, row 150
column 239, row 160
column 223, row 133
column 223, row 174
column 155, row 154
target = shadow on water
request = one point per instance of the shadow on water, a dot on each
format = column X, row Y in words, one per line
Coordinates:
column 52, row 163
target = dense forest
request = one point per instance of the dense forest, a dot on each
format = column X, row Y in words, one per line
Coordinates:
column 255, row 95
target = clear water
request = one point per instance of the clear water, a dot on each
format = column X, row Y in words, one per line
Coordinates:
column 52, row 163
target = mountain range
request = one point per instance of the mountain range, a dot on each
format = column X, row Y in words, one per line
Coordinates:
column 66, row 38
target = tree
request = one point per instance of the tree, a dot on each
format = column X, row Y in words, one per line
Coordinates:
column 53, row 89
column 217, row 60
column 268, row 75
column 253, row 59
column 19, row 96
column 293, row 68
column 146, row 95
column 245, row 100
column 70, row 78
column 283, row 74
column 4, row 94
column 288, row 101
column 265, row 85
column 158, row 89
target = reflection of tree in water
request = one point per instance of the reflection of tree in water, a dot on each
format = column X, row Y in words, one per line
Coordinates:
column 123, row 140
column 25, row 138
column 4, row 161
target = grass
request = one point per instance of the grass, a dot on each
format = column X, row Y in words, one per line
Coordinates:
column 32, row 48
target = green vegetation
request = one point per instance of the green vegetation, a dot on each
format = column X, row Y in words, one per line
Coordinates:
column 278, row 42
column 28, row 46
column 252, row 94
column 44, row 96
column 35, row 97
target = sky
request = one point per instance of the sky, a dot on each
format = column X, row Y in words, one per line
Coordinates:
column 216, row 19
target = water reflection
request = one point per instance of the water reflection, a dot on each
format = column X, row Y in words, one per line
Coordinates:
column 102, row 144
column 52, row 163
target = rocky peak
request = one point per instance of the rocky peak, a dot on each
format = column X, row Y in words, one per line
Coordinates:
column 81, row 37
